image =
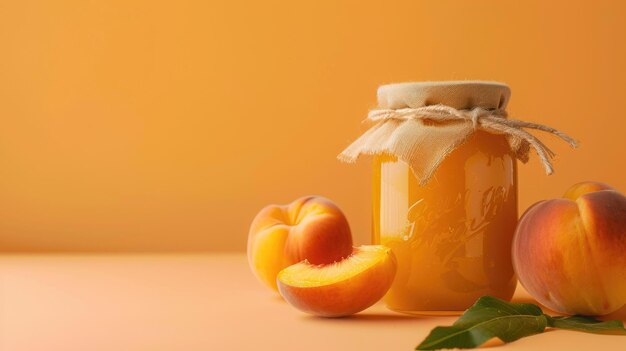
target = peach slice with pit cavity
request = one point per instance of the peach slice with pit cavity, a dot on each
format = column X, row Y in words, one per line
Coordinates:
column 341, row 288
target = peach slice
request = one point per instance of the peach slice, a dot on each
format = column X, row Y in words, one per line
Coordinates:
column 341, row 288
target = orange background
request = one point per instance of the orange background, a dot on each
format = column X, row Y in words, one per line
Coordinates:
column 146, row 126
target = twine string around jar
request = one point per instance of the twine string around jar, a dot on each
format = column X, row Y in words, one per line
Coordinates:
column 493, row 121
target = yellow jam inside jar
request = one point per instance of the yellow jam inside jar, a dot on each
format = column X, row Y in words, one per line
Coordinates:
column 451, row 237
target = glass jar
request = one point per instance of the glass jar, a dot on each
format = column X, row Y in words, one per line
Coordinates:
column 452, row 236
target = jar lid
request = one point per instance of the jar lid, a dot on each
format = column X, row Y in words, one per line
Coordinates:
column 461, row 95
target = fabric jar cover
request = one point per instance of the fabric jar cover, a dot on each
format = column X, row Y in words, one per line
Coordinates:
column 422, row 123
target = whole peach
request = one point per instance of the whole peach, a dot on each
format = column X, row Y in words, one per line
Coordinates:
column 311, row 228
column 570, row 253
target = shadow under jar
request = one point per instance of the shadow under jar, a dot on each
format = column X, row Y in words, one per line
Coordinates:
column 452, row 236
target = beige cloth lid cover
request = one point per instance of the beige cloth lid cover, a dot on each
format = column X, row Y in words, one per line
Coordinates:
column 455, row 109
column 462, row 95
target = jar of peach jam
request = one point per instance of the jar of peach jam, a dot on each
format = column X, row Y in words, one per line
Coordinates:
column 451, row 236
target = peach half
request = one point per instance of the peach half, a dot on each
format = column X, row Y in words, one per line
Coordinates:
column 310, row 228
column 341, row 288
column 570, row 253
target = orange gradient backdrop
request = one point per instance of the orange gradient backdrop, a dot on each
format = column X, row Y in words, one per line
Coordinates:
column 158, row 126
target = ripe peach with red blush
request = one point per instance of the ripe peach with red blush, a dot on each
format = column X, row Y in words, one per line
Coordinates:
column 311, row 228
column 570, row 253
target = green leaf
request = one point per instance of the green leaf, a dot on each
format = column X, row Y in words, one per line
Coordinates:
column 489, row 317
column 587, row 324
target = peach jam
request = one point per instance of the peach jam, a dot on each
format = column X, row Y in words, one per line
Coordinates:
column 451, row 236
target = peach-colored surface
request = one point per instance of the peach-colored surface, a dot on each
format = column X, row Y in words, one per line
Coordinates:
column 196, row 302
column 166, row 125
